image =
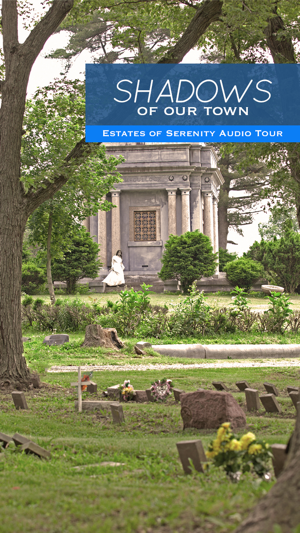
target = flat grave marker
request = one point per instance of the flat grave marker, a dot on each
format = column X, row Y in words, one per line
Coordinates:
column 270, row 403
column 279, row 457
column 5, row 439
column 177, row 393
column 295, row 398
column 219, row 385
column 271, row 389
column 252, row 400
column 31, row 447
column 149, row 395
column 191, row 450
column 88, row 405
column 140, row 396
column 19, row 400
column 114, row 392
column 92, row 387
column 56, row 340
column 117, row 413
column 242, row 385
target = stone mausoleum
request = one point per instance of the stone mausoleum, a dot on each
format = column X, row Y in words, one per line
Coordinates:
column 166, row 189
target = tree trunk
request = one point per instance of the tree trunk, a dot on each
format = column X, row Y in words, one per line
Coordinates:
column 49, row 272
column 71, row 285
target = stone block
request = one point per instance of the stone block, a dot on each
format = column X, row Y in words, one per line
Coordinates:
column 139, row 351
column 56, row 340
column 219, row 385
column 141, row 396
column 177, row 393
column 19, row 439
column 208, row 409
column 279, row 457
column 270, row 403
column 242, row 385
column 271, row 389
column 150, row 398
column 5, row 439
column 19, row 400
column 143, row 344
column 31, row 447
column 295, row 398
column 252, row 400
column 92, row 387
column 26, row 339
column 192, row 351
column 36, row 382
column 191, row 450
column 114, row 392
column 292, row 389
column 92, row 406
column 117, row 413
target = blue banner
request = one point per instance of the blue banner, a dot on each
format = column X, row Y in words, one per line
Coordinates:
column 192, row 103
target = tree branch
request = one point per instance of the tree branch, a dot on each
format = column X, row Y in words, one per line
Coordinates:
column 210, row 11
column 73, row 159
column 44, row 29
column 9, row 30
column 281, row 47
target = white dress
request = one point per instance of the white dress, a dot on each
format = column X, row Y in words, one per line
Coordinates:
column 116, row 275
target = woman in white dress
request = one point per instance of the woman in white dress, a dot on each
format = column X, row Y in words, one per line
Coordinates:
column 116, row 274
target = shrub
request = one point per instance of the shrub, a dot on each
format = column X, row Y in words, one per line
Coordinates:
column 225, row 257
column 243, row 272
column 33, row 276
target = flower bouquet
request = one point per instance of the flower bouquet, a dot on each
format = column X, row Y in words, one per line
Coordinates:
column 86, row 377
column 161, row 389
column 127, row 391
column 239, row 455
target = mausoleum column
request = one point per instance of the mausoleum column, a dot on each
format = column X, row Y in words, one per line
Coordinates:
column 102, row 238
column 185, row 210
column 171, row 211
column 208, row 216
column 115, row 223
column 86, row 223
column 196, row 209
column 215, row 219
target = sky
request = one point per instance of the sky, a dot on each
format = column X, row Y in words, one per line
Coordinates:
column 45, row 70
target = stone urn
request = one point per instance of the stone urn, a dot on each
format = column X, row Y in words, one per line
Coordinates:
column 267, row 289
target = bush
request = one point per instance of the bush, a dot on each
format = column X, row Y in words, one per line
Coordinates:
column 225, row 257
column 33, row 276
column 187, row 258
column 243, row 272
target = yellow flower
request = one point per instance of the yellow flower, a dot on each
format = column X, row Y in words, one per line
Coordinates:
column 210, row 455
column 234, row 445
column 226, row 425
column 246, row 440
column 254, row 449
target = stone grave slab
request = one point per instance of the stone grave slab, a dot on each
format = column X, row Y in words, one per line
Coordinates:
column 149, row 395
column 271, row 389
column 56, row 340
column 19, row 400
column 295, row 398
column 191, row 450
column 142, row 345
column 279, row 457
column 19, row 439
column 139, row 351
column 5, row 439
column 242, row 385
column 177, row 393
column 31, row 447
column 252, row 399
column 208, row 409
column 92, row 387
column 140, row 396
column 219, row 385
column 114, row 392
column 117, row 413
column 270, row 403
column 88, row 405
column 26, row 339
column 292, row 389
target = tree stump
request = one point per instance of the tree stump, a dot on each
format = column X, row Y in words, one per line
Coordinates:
column 96, row 336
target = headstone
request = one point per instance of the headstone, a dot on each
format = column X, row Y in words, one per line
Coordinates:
column 207, row 409
column 117, row 413
column 56, row 340
column 140, row 396
column 279, row 457
column 19, row 439
column 139, row 351
column 242, row 385
column 92, row 387
column 292, row 389
column 295, row 398
column 88, row 405
column 142, row 345
column 177, row 393
column 80, row 384
column 36, row 382
column 252, row 400
column 219, row 385
column 31, row 447
column 114, row 392
column 5, row 439
column 191, row 450
column 26, row 339
column 149, row 395
column 271, row 389
column 19, row 400
column 270, row 403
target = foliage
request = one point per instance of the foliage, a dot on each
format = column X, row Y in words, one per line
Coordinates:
column 280, row 311
column 240, row 301
column 239, row 454
column 127, row 391
column 161, row 389
column 187, row 258
column 280, row 217
column 191, row 316
column 225, row 257
column 33, row 276
column 243, row 272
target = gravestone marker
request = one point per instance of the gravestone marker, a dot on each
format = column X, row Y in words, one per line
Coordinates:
column 79, row 384
column 191, row 450
column 5, row 439
column 19, row 400
column 177, row 393
column 295, row 398
column 149, row 395
column 117, row 413
column 142, row 345
column 31, row 447
column 271, row 389
column 114, row 392
column 140, row 396
column 208, row 409
column 279, row 457
column 19, row 439
column 270, row 403
column 242, row 385
column 92, row 387
column 56, row 340
column 252, row 399
column 219, row 385
column 292, row 389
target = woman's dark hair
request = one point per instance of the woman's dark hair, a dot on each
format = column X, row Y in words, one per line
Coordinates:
column 118, row 252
